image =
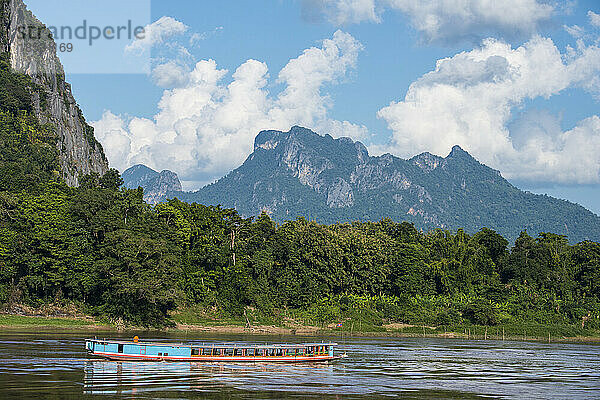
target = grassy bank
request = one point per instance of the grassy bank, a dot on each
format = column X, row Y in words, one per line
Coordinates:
column 34, row 323
column 191, row 322
column 522, row 332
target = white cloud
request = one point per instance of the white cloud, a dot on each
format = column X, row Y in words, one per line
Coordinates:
column 205, row 127
column 170, row 75
column 549, row 154
column 156, row 33
column 304, row 77
column 112, row 133
column 196, row 38
column 594, row 18
column 470, row 98
column 576, row 31
column 442, row 20
column 342, row 12
column 445, row 20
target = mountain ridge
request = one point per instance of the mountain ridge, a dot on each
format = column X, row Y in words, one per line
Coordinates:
column 301, row 173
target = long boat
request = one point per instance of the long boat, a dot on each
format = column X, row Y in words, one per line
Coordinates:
column 210, row 352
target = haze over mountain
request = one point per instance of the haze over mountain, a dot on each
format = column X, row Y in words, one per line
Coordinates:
column 301, row 173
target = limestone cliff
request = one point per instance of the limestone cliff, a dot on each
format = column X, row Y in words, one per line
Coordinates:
column 79, row 151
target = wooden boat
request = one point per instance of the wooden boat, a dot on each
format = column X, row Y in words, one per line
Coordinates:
column 152, row 351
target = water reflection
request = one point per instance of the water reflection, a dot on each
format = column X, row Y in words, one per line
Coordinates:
column 120, row 377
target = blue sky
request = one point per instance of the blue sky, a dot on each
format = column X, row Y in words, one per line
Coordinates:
column 518, row 91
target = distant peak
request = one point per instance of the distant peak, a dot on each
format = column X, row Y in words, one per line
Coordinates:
column 156, row 185
column 166, row 172
column 458, row 153
column 267, row 140
column 300, row 132
column 270, row 139
column 457, row 150
column 426, row 161
column 139, row 167
column 297, row 128
column 426, row 156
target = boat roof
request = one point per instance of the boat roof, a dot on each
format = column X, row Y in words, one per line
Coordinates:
column 219, row 345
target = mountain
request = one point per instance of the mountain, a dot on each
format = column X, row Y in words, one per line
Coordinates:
column 156, row 185
column 301, row 173
column 79, row 153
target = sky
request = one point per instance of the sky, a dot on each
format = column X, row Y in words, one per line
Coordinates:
column 516, row 83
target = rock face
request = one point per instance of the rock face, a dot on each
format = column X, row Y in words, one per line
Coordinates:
column 35, row 55
column 301, row 173
column 156, row 185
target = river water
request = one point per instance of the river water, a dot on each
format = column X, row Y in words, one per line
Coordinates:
column 55, row 366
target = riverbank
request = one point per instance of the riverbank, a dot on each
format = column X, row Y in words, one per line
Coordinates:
column 530, row 333
column 35, row 323
column 539, row 333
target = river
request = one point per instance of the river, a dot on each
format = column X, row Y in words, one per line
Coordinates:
column 55, row 366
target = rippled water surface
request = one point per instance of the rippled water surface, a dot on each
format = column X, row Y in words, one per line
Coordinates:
column 56, row 366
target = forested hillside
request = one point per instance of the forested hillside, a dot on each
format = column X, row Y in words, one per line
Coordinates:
column 101, row 247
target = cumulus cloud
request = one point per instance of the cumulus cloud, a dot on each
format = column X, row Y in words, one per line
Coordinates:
column 205, row 127
column 444, row 20
column 341, row 12
column 111, row 132
column 469, row 99
column 170, row 75
column 304, row 77
column 594, row 18
column 156, row 33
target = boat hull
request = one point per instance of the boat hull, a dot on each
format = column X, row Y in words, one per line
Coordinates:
column 135, row 357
